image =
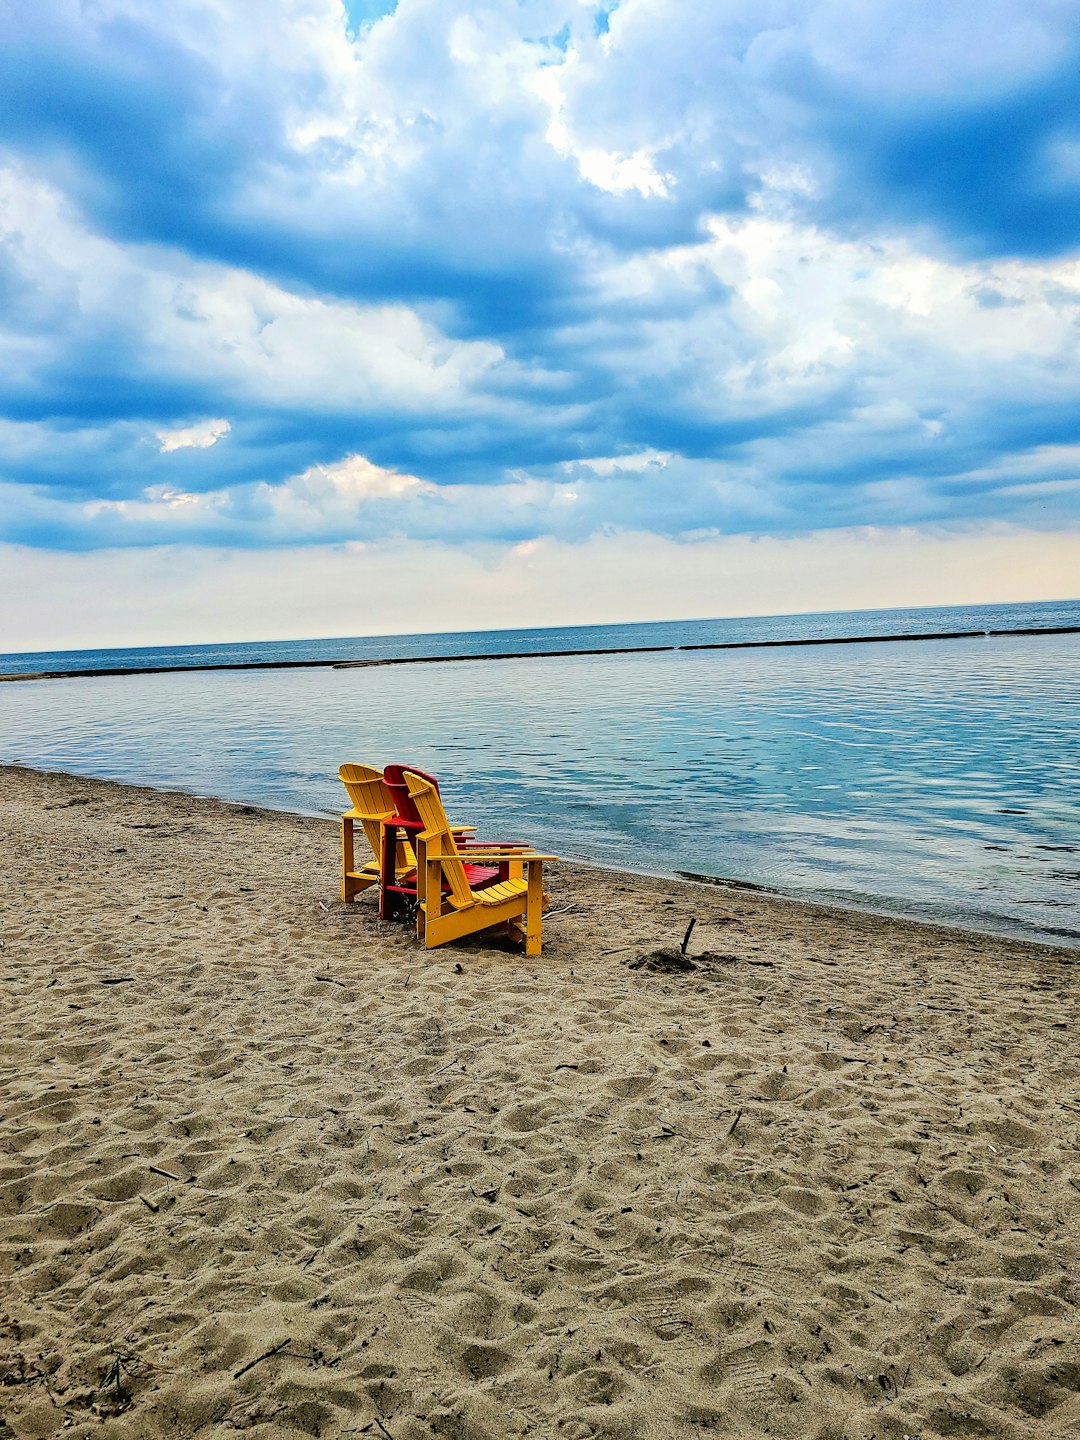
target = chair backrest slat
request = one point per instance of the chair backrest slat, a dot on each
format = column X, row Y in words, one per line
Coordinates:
column 398, row 785
column 374, row 803
column 429, row 807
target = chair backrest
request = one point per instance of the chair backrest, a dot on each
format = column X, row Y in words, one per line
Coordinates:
column 394, row 775
column 424, row 795
column 371, row 800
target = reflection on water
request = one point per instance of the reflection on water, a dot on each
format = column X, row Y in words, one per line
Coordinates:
column 937, row 778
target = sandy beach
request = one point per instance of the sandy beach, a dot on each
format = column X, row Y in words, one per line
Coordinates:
column 269, row 1168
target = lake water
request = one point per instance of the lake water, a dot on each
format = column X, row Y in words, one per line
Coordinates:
column 567, row 637
column 930, row 778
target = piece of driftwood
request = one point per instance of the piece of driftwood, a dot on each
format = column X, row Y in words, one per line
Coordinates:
column 274, row 1350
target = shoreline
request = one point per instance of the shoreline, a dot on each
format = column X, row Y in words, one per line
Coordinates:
column 271, row 1167
column 347, row 664
column 1068, row 942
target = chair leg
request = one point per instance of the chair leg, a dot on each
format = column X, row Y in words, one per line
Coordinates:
column 534, row 910
column 428, row 894
column 348, row 860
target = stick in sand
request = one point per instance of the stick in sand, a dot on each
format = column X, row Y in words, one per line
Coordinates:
column 275, row 1350
column 686, row 937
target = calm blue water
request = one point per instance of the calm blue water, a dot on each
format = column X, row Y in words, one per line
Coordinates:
column 933, row 778
column 569, row 637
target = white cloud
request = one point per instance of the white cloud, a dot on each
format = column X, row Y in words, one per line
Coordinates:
column 635, row 464
column 193, row 437
column 176, row 320
column 356, row 477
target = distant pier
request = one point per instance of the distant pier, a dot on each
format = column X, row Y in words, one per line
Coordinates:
column 345, row 664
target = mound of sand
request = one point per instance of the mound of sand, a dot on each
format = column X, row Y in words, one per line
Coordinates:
column 269, row 1168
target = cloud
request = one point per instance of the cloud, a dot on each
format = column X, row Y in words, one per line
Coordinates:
column 487, row 275
column 193, row 437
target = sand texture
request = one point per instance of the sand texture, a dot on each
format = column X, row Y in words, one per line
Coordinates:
column 825, row 1184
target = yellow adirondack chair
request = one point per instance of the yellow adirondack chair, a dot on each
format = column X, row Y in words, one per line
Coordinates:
column 372, row 805
column 449, row 907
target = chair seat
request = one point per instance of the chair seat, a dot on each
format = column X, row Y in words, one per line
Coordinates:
column 366, row 872
column 505, row 890
column 478, row 876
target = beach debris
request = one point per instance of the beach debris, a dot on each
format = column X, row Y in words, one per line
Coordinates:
column 122, row 1364
column 735, row 1122
column 119, row 980
column 274, row 1350
column 671, row 961
column 667, row 961
column 329, row 980
column 686, row 937
column 150, row 1204
column 157, row 1170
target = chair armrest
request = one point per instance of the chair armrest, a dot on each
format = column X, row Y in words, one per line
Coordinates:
column 489, row 853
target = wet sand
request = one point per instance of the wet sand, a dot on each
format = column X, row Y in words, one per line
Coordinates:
column 269, row 1168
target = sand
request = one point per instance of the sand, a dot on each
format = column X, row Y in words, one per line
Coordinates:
column 269, row 1168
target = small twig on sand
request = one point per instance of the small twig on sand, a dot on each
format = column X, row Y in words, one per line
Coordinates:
column 150, row 1205
column 686, row 937
column 383, row 1428
column 329, row 980
column 735, row 1122
column 120, row 980
column 276, row 1349
column 157, row 1170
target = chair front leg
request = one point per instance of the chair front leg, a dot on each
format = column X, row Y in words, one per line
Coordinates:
column 420, row 851
column 534, row 908
column 387, row 867
column 429, row 876
column 348, row 859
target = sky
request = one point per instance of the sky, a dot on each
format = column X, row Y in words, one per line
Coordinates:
column 333, row 319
